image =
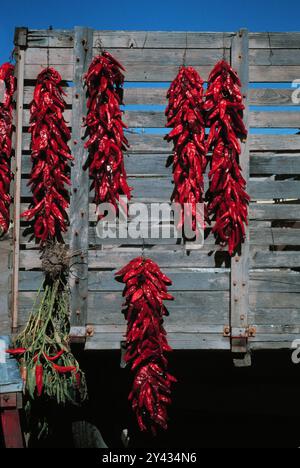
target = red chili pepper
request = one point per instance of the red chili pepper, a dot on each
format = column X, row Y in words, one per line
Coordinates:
column 106, row 143
column 184, row 114
column 15, row 352
column 54, row 358
column 50, row 173
column 227, row 197
column 39, row 378
column 64, row 369
column 6, row 131
column 145, row 290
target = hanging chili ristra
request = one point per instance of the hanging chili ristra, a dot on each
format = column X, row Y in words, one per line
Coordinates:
column 8, row 82
column 227, row 198
column 145, row 290
column 185, row 115
column 105, row 128
column 51, row 157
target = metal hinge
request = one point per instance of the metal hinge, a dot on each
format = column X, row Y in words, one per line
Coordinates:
column 239, row 337
column 239, row 333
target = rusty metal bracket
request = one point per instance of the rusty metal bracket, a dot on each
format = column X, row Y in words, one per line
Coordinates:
column 239, row 338
column 239, row 333
column 80, row 334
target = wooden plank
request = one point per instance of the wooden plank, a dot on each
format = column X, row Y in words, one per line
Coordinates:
column 274, row 316
column 267, row 300
column 270, row 345
column 274, row 236
column 274, row 211
column 134, row 56
column 239, row 291
column 160, row 188
column 57, row 56
column 172, row 327
column 165, row 73
column 190, row 279
column 79, row 206
column 154, row 119
column 50, row 38
column 259, row 235
column 152, row 143
column 267, row 56
column 155, row 164
column 268, row 163
column 274, row 281
column 178, row 341
column 257, row 96
column 270, row 97
column 29, row 259
column 265, row 189
column 275, row 40
column 162, row 39
column 20, row 54
column 275, row 119
column 32, row 71
column 289, row 259
column 28, row 95
column 183, row 280
column 257, row 212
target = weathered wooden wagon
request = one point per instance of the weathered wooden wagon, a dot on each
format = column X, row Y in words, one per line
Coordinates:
column 249, row 302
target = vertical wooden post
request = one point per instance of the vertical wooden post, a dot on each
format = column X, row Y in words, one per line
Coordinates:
column 240, row 264
column 21, row 44
column 79, row 208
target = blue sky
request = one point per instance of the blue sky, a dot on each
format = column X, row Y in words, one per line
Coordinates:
column 196, row 15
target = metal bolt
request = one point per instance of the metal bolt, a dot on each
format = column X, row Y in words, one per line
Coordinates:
column 243, row 284
column 77, row 312
column 237, row 259
column 78, row 60
column 234, row 283
column 242, row 317
column 77, row 281
column 82, row 214
column 236, row 299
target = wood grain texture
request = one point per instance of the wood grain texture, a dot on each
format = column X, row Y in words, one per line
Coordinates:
column 155, row 164
column 20, row 71
column 160, row 188
column 157, row 96
column 239, row 279
column 99, row 259
column 151, row 143
column 165, row 73
column 165, row 39
column 79, row 206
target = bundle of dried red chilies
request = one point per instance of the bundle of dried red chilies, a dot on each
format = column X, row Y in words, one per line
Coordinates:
column 8, row 85
column 145, row 291
column 185, row 114
column 104, row 81
column 51, row 157
column 227, row 198
column 49, row 369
